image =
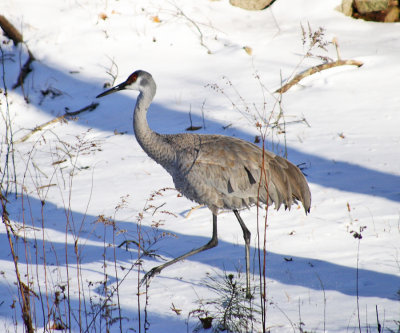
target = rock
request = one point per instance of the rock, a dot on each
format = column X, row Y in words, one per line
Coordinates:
column 371, row 10
column 393, row 15
column 367, row 6
column 346, row 7
column 250, row 4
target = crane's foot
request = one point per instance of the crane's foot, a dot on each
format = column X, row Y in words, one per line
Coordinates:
column 150, row 274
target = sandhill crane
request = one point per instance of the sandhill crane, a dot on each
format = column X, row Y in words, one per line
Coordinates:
column 220, row 172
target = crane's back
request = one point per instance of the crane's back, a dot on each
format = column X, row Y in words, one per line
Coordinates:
column 228, row 173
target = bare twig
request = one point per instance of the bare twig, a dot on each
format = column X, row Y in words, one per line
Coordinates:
column 191, row 127
column 314, row 70
column 192, row 210
column 112, row 72
column 335, row 42
column 201, row 37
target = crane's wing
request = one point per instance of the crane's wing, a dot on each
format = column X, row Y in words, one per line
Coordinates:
column 234, row 169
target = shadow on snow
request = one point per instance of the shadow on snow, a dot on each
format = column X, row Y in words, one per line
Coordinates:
column 92, row 319
column 117, row 109
column 300, row 271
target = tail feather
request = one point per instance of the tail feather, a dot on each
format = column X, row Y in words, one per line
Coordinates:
column 287, row 184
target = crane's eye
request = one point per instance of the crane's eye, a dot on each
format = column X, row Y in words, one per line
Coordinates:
column 132, row 78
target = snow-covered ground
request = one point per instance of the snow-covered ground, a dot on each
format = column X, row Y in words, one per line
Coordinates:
column 342, row 123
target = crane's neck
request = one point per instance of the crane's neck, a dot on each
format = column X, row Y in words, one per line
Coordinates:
column 152, row 143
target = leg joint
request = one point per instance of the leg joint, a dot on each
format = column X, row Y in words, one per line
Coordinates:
column 212, row 243
column 246, row 235
column 246, row 232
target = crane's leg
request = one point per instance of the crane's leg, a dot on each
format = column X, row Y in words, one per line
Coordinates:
column 246, row 236
column 212, row 243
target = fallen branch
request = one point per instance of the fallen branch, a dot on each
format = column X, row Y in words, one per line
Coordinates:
column 39, row 128
column 10, row 31
column 314, row 70
column 64, row 117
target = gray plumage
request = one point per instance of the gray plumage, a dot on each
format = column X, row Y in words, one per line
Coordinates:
column 221, row 172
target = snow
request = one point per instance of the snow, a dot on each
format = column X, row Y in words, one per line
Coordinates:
column 86, row 167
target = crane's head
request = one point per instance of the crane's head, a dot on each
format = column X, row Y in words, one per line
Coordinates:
column 138, row 80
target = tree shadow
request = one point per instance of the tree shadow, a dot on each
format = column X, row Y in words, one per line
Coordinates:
column 93, row 247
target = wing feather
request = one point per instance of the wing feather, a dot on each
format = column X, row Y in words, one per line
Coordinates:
column 226, row 172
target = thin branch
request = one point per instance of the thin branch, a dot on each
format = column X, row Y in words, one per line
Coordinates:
column 201, row 37
column 314, row 70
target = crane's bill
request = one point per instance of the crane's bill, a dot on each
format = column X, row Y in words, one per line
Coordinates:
column 118, row 87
